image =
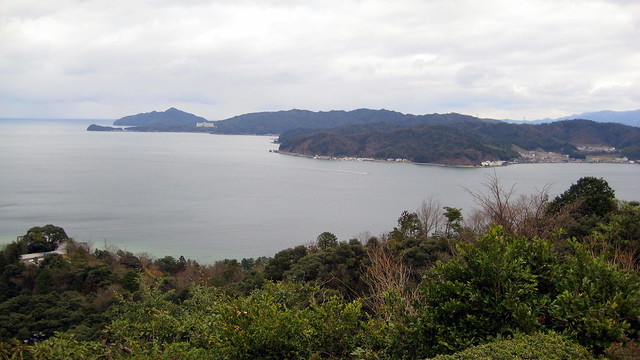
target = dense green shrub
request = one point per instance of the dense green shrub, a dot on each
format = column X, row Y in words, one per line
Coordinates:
column 282, row 321
column 35, row 317
column 506, row 284
column 531, row 347
column 497, row 287
column 587, row 202
column 597, row 303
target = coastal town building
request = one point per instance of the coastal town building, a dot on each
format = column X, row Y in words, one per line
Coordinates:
column 493, row 163
column 35, row 258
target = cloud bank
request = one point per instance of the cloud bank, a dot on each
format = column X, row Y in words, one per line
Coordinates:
column 496, row 58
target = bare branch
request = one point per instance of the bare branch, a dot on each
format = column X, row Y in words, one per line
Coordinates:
column 430, row 214
column 387, row 274
column 525, row 215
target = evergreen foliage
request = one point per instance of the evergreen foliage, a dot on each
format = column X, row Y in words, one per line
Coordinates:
column 42, row 239
column 464, row 141
column 532, row 347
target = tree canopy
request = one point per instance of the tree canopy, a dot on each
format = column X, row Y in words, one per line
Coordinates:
column 44, row 238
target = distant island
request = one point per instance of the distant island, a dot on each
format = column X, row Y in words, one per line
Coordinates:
column 94, row 127
column 446, row 139
column 171, row 120
column 165, row 120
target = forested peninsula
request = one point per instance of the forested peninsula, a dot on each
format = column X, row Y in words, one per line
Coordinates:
column 522, row 277
column 447, row 139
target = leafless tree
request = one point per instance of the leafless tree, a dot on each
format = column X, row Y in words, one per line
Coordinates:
column 599, row 246
column 431, row 216
column 475, row 224
column 626, row 259
column 496, row 203
column 517, row 214
column 385, row 275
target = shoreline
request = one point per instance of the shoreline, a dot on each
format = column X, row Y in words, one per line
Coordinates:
column 405, row 161
column 395, row 161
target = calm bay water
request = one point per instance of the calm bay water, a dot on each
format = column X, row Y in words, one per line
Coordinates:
column 210, row 197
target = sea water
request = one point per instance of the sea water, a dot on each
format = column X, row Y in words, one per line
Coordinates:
column 210, row 197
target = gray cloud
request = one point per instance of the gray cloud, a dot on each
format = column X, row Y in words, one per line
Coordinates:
column 106, row 59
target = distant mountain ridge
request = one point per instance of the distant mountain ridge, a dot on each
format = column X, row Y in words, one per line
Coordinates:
column 278, row 122
column 281, row 121
column 629, row 118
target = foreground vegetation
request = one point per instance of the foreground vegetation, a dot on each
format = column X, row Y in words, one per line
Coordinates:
column 524, row 277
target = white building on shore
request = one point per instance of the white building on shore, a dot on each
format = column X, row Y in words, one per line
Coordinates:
column 35, row 258
column 493, row 163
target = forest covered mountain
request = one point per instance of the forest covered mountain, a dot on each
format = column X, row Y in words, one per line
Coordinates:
column 169, row 118
column 450, row 139
column 281, row 121
column 278, row 122
column 463, row 143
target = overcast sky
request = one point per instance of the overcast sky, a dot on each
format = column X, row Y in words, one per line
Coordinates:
column 492, row 58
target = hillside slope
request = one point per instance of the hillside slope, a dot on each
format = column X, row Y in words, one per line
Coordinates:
column 281, row 121
column 463, row 143
column 168, row 118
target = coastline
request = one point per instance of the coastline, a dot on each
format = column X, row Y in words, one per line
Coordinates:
column 347, row 158
column 506, row 163
column 527, row 157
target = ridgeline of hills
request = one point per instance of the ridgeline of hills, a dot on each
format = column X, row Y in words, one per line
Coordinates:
column 631, row 118
column 278, row 122
column 282, row 121
column 450, row 139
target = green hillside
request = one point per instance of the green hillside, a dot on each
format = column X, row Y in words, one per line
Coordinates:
column 460, row 143
column 170, row 118
column 282, row 121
